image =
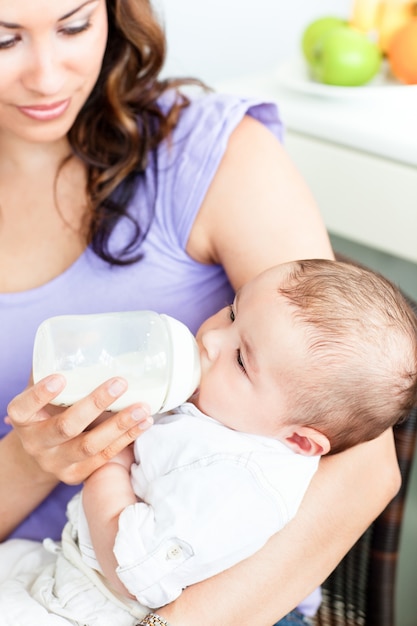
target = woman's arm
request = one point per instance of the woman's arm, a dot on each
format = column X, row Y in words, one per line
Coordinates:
column 50, row 444
column 349, row 490
column 23, row 485
column 258, row 210
column 257, row 213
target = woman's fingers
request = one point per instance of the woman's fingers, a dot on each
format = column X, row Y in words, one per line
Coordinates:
column 32, row 406
column 27, row 407
column 65, row 441
column 72, row 421
column 92, row 455
column 113, row 434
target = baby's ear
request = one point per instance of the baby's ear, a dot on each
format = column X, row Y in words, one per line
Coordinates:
column 308, row 441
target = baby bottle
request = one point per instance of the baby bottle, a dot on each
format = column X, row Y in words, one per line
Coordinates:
column 156, row 354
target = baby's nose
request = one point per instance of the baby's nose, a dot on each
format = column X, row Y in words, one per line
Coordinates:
column 211, row 343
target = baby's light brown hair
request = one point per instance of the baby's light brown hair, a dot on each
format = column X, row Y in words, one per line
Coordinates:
column 360, row 377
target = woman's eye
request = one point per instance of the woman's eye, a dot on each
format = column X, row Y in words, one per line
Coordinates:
column 7, row 42
column 231, row 314
column 239, row 361
column 76, row 28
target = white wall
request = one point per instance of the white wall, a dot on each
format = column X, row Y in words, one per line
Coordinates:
column 221, row 39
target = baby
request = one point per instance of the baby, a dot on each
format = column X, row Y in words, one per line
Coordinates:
column 311, row 358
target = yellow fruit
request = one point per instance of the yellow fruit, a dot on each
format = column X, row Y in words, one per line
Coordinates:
column 394, row 14
column 402, row 53
column 365, row 15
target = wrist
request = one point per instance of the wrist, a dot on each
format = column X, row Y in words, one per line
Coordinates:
column 28, row 465
column 24, row 484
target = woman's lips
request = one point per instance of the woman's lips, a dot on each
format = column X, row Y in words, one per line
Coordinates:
column 45, row 112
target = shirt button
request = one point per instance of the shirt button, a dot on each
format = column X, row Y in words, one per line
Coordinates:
column 175, row 552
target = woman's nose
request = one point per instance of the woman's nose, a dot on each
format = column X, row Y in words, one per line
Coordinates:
column 44, row 73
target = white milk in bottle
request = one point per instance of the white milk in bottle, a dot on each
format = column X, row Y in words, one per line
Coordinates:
column 156, row 354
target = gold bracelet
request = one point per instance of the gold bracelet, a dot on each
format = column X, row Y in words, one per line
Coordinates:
column 152, row 619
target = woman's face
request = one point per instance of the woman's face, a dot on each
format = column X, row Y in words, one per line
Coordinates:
column 51, row 53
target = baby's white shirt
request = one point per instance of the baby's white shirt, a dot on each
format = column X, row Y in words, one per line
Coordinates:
column 209, row 496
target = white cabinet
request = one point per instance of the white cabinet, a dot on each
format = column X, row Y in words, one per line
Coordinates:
column 358, row 154
column 362, row 197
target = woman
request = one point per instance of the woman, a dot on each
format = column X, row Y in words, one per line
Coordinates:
column 117, row 194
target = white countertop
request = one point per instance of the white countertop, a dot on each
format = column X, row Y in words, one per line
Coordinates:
column 377, row 120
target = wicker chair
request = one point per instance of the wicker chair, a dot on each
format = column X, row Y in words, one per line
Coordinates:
column 361, row 590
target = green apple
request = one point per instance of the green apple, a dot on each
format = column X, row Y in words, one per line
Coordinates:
column 346, row 57
column 314, row 31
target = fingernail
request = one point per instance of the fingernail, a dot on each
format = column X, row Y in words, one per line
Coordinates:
column 147, row 423
column 54, row 383
column 141, row 415
column 116, row 388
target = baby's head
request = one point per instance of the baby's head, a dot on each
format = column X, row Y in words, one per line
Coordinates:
column 359, row 376
column 319, row 354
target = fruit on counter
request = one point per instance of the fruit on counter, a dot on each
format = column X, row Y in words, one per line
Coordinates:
column 365, row 15
column 393, row 16
column 402, row 53
column 344, row 56
column 314, row 31
column 381, row 18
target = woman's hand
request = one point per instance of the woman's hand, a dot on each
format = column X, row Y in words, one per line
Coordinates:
column 64, row 442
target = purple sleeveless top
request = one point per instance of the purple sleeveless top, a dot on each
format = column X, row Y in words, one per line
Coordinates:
column 166, row 279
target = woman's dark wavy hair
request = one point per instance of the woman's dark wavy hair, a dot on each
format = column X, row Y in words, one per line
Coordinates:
column 121, row 125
